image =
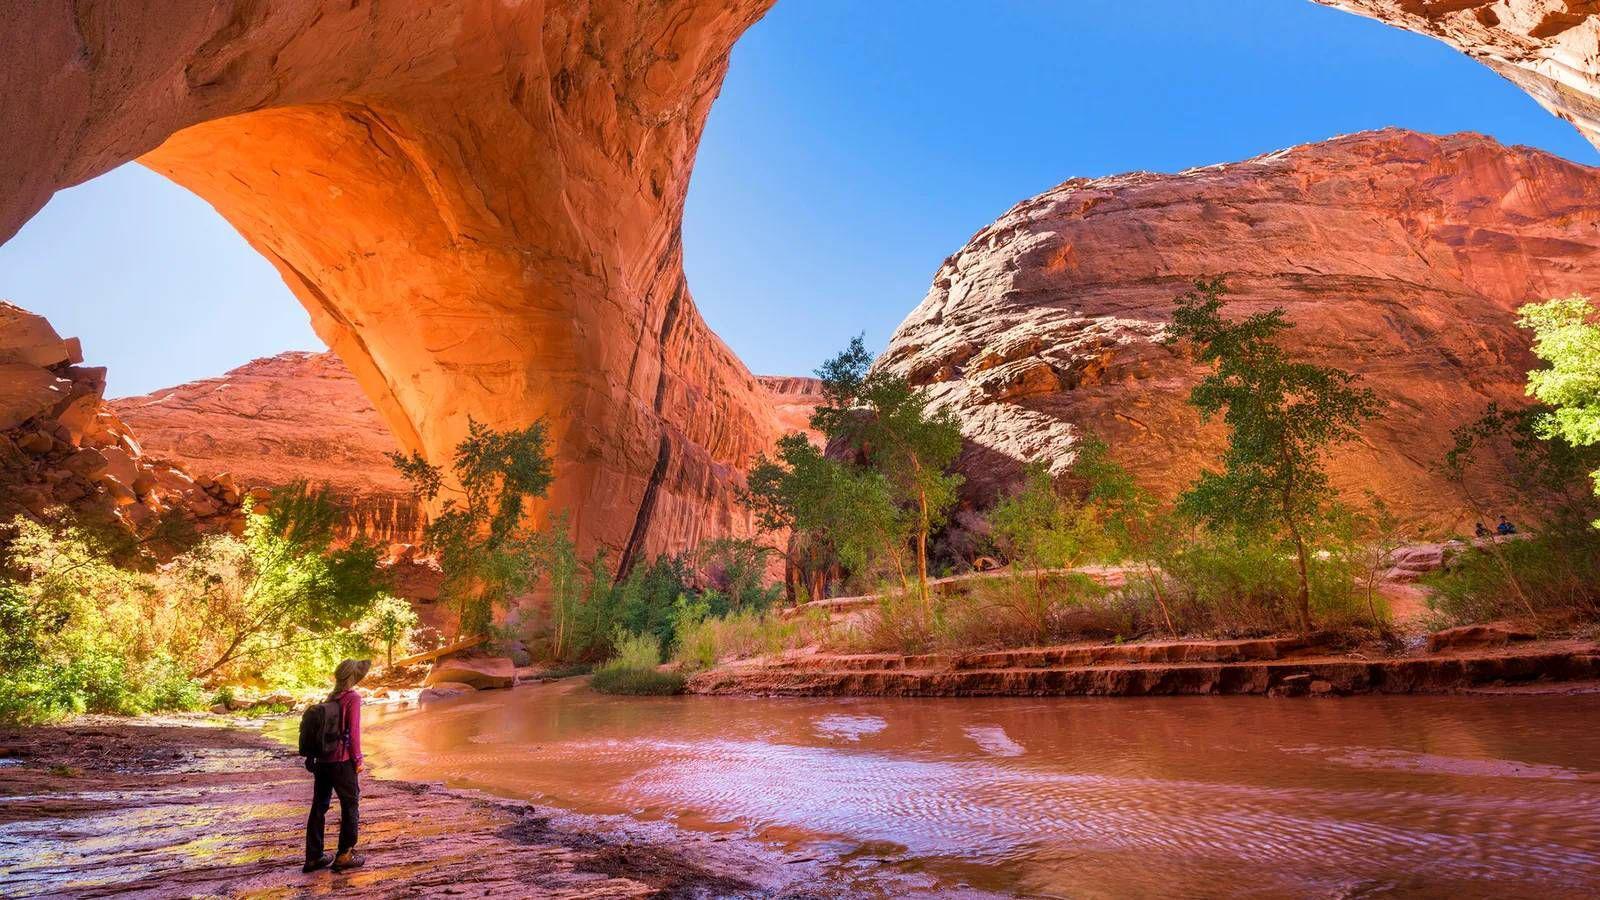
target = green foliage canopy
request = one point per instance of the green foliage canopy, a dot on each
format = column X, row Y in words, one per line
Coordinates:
column 1282, row 417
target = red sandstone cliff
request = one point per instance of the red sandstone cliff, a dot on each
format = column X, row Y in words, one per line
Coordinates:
column 272, row 421
column 1399, row 255
column 302, row 415
column 794, row 397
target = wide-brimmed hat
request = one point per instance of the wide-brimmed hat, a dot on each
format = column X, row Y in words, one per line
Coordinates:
column 350, row 672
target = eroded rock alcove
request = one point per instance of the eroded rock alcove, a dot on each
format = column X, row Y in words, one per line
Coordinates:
column 479, row 201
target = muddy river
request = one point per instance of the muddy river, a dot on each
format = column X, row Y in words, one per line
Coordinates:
column 1368, row 796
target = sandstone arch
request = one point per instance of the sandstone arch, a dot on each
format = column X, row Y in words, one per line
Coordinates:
column 479, row 200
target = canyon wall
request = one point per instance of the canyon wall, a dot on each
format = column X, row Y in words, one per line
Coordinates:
column 303, row 416
column 294, row 416
column 1398, row 255
column 478, row 202
column 794, row 397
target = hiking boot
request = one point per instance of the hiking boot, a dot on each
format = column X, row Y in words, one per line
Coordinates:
column 348, row 860
column 314, row 864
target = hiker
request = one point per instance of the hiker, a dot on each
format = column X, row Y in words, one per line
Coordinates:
column 1481, row 531
column 336, row 768
column 1505, row 527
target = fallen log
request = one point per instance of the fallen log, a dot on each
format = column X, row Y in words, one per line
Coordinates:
column 446, row 650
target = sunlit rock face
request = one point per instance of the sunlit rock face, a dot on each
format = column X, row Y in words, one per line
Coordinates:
column 291, row 417
column 477, row 201
column 794, row 398
column 1549, row 48
column 1398, row 255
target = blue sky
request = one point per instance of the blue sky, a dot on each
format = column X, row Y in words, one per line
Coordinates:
column 855, row 146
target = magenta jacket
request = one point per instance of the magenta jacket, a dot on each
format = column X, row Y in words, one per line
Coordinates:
column 350, row 703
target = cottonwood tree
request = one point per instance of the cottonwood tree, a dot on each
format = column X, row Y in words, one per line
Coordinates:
column 833, row 511
column 887, row 422
column 1567, row 337
column 1282, row 418
column 483, row 547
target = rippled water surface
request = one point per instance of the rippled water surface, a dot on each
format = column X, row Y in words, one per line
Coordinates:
column 1240, row 796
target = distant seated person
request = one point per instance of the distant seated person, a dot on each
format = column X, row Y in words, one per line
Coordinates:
column 1481, row 530
column 1505, row 527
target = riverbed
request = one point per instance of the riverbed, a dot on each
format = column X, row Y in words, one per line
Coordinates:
column 1467, row 796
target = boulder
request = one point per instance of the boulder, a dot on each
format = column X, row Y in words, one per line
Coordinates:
column 1477, row 637
column 36, row 442
column 1412, row 562
column 517, row 652
column 87, row 462
column 59, row 444
column 481, row 672
column 27, row 391
column 28, row 339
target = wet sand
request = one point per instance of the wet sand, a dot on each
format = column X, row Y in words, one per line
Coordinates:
column 175, row 810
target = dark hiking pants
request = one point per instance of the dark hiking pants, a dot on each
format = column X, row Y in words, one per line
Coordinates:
column 333, row 778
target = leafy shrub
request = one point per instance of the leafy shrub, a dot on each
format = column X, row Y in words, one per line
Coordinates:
column 705, row 640
column 737, row 569
column 1549, row 576
column 388, row 626
column 1241, row 583
column 81, row 634
column 641, row 682
column 277, row 606
column 633, row 670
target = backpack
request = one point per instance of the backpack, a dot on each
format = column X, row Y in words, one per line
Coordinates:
column 321, row 729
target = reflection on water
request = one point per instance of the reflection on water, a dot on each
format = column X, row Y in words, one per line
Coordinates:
column 1466, row 796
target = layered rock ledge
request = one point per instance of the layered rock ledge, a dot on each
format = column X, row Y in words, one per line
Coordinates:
column 1273, row 666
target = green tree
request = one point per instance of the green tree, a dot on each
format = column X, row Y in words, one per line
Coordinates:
column 390, row 623
column 832, row 510
column 1567, row 337
column 1139, row 529
column 284, row 584
column 887, row 422
column 556, row 555
column 1282, row 418
column 479, row 533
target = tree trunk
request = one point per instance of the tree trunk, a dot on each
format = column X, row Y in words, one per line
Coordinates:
column 922, row 547
column 1304, row 600
column 1161, row 599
